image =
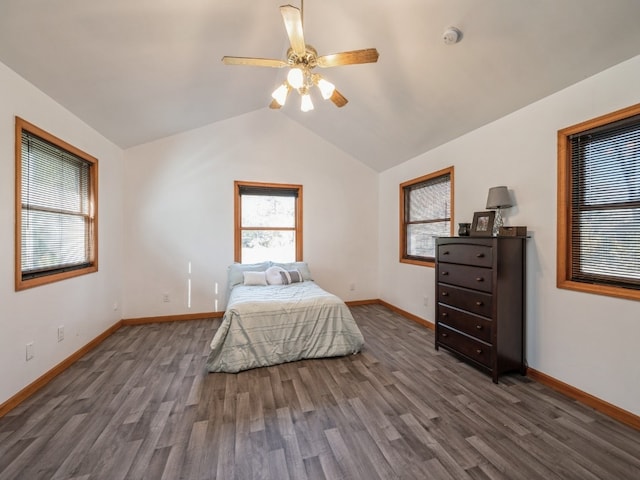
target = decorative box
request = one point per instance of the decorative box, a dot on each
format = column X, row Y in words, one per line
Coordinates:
column 512, row 231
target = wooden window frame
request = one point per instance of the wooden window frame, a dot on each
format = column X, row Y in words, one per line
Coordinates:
column 564, row 276
column 404, row 258
column 61, row 274
column 238, row 214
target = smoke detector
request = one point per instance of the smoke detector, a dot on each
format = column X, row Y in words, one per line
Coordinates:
column 451, row 36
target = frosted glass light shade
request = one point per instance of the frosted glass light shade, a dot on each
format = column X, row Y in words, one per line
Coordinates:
column 295, row 77
column 326, row 88
column 280, row 94
column 305, row 103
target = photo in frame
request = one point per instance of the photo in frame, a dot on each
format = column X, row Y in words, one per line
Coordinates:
column 482, row 225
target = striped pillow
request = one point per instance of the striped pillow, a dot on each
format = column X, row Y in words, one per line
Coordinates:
column 290, row 276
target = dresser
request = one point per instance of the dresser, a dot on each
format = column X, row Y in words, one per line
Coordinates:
column 480, row 295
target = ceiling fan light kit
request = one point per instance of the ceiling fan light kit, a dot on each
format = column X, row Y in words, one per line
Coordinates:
column 301, row 60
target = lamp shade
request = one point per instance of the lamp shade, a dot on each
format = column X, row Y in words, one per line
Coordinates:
column 499, row 198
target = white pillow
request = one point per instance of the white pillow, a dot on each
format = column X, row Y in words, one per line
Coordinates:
column 273, row 275
column 235, row 271
column 255, row 278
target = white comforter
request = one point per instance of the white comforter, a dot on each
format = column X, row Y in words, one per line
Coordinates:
column 268, row 325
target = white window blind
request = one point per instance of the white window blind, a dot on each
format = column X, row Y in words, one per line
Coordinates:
column 56, row 219
column 427, row 215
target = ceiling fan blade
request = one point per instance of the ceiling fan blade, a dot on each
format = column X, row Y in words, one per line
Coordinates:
column 338, row 99
column 274, row 105
column 368, row 55
column 293, row 23
column 254, row 62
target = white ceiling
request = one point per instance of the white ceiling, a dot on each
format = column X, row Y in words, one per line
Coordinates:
column 139, row 70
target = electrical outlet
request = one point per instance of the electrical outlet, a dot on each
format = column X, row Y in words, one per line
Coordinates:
column 165, row 298
column 30, row 351
column 352, row 286
column 426, row 301
column 60, row 333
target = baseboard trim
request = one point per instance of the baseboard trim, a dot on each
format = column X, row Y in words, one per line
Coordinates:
column 596, row 403
column 359, row 303
column 171, row 318
column 410, row 316
column 40, row 382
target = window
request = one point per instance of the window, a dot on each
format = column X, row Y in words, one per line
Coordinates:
column 426, row 204
column 599, row 205
column 268, row 222
column 56, row 209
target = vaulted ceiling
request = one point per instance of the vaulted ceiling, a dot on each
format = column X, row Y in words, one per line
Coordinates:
column 139, row 70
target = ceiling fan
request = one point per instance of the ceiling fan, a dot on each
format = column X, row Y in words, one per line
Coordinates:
column 301, row 60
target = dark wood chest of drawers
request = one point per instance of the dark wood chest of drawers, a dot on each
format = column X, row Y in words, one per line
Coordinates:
column 480, row 294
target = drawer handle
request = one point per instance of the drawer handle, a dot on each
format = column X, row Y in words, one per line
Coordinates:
column 444, row 314
column 445, row 334
column 479, row 351
column 480, row 255
column 479, row 279
column 446, row 252
column 479, row 303
column 478, row 327
column 445, row 273
column 445, row 294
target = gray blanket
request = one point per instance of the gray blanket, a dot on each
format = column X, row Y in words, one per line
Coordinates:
column 272, row 324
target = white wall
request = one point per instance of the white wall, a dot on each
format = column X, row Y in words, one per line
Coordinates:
column 587, row 341
column 179, row 211
column 84, row 305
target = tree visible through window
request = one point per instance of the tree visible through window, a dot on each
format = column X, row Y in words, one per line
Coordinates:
column 268, row 222
column 56, row 208
column 599, row 205
column 426, row 204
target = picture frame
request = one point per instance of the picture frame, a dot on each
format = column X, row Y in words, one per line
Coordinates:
column 482, row 225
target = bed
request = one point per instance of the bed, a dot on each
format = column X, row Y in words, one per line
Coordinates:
column 277, row 319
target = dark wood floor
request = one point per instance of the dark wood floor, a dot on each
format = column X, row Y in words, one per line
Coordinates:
column 141, row 406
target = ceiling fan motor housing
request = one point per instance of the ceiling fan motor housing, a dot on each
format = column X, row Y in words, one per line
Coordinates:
column 308, row 60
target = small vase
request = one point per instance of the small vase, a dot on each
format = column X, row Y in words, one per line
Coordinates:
column 463, row 229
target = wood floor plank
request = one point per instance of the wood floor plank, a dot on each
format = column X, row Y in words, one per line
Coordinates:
column 142, row 406
column 295, row 463
column 342, row 454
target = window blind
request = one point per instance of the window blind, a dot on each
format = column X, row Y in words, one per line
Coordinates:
column 605, row 204
column 56, row 218
column 268, row 190
column 427, row 215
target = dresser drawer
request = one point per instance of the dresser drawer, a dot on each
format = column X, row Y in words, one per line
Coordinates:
column 474, row 302
column 477, row 255
column 474, row 349
column 473, row 325
column 465, row 276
